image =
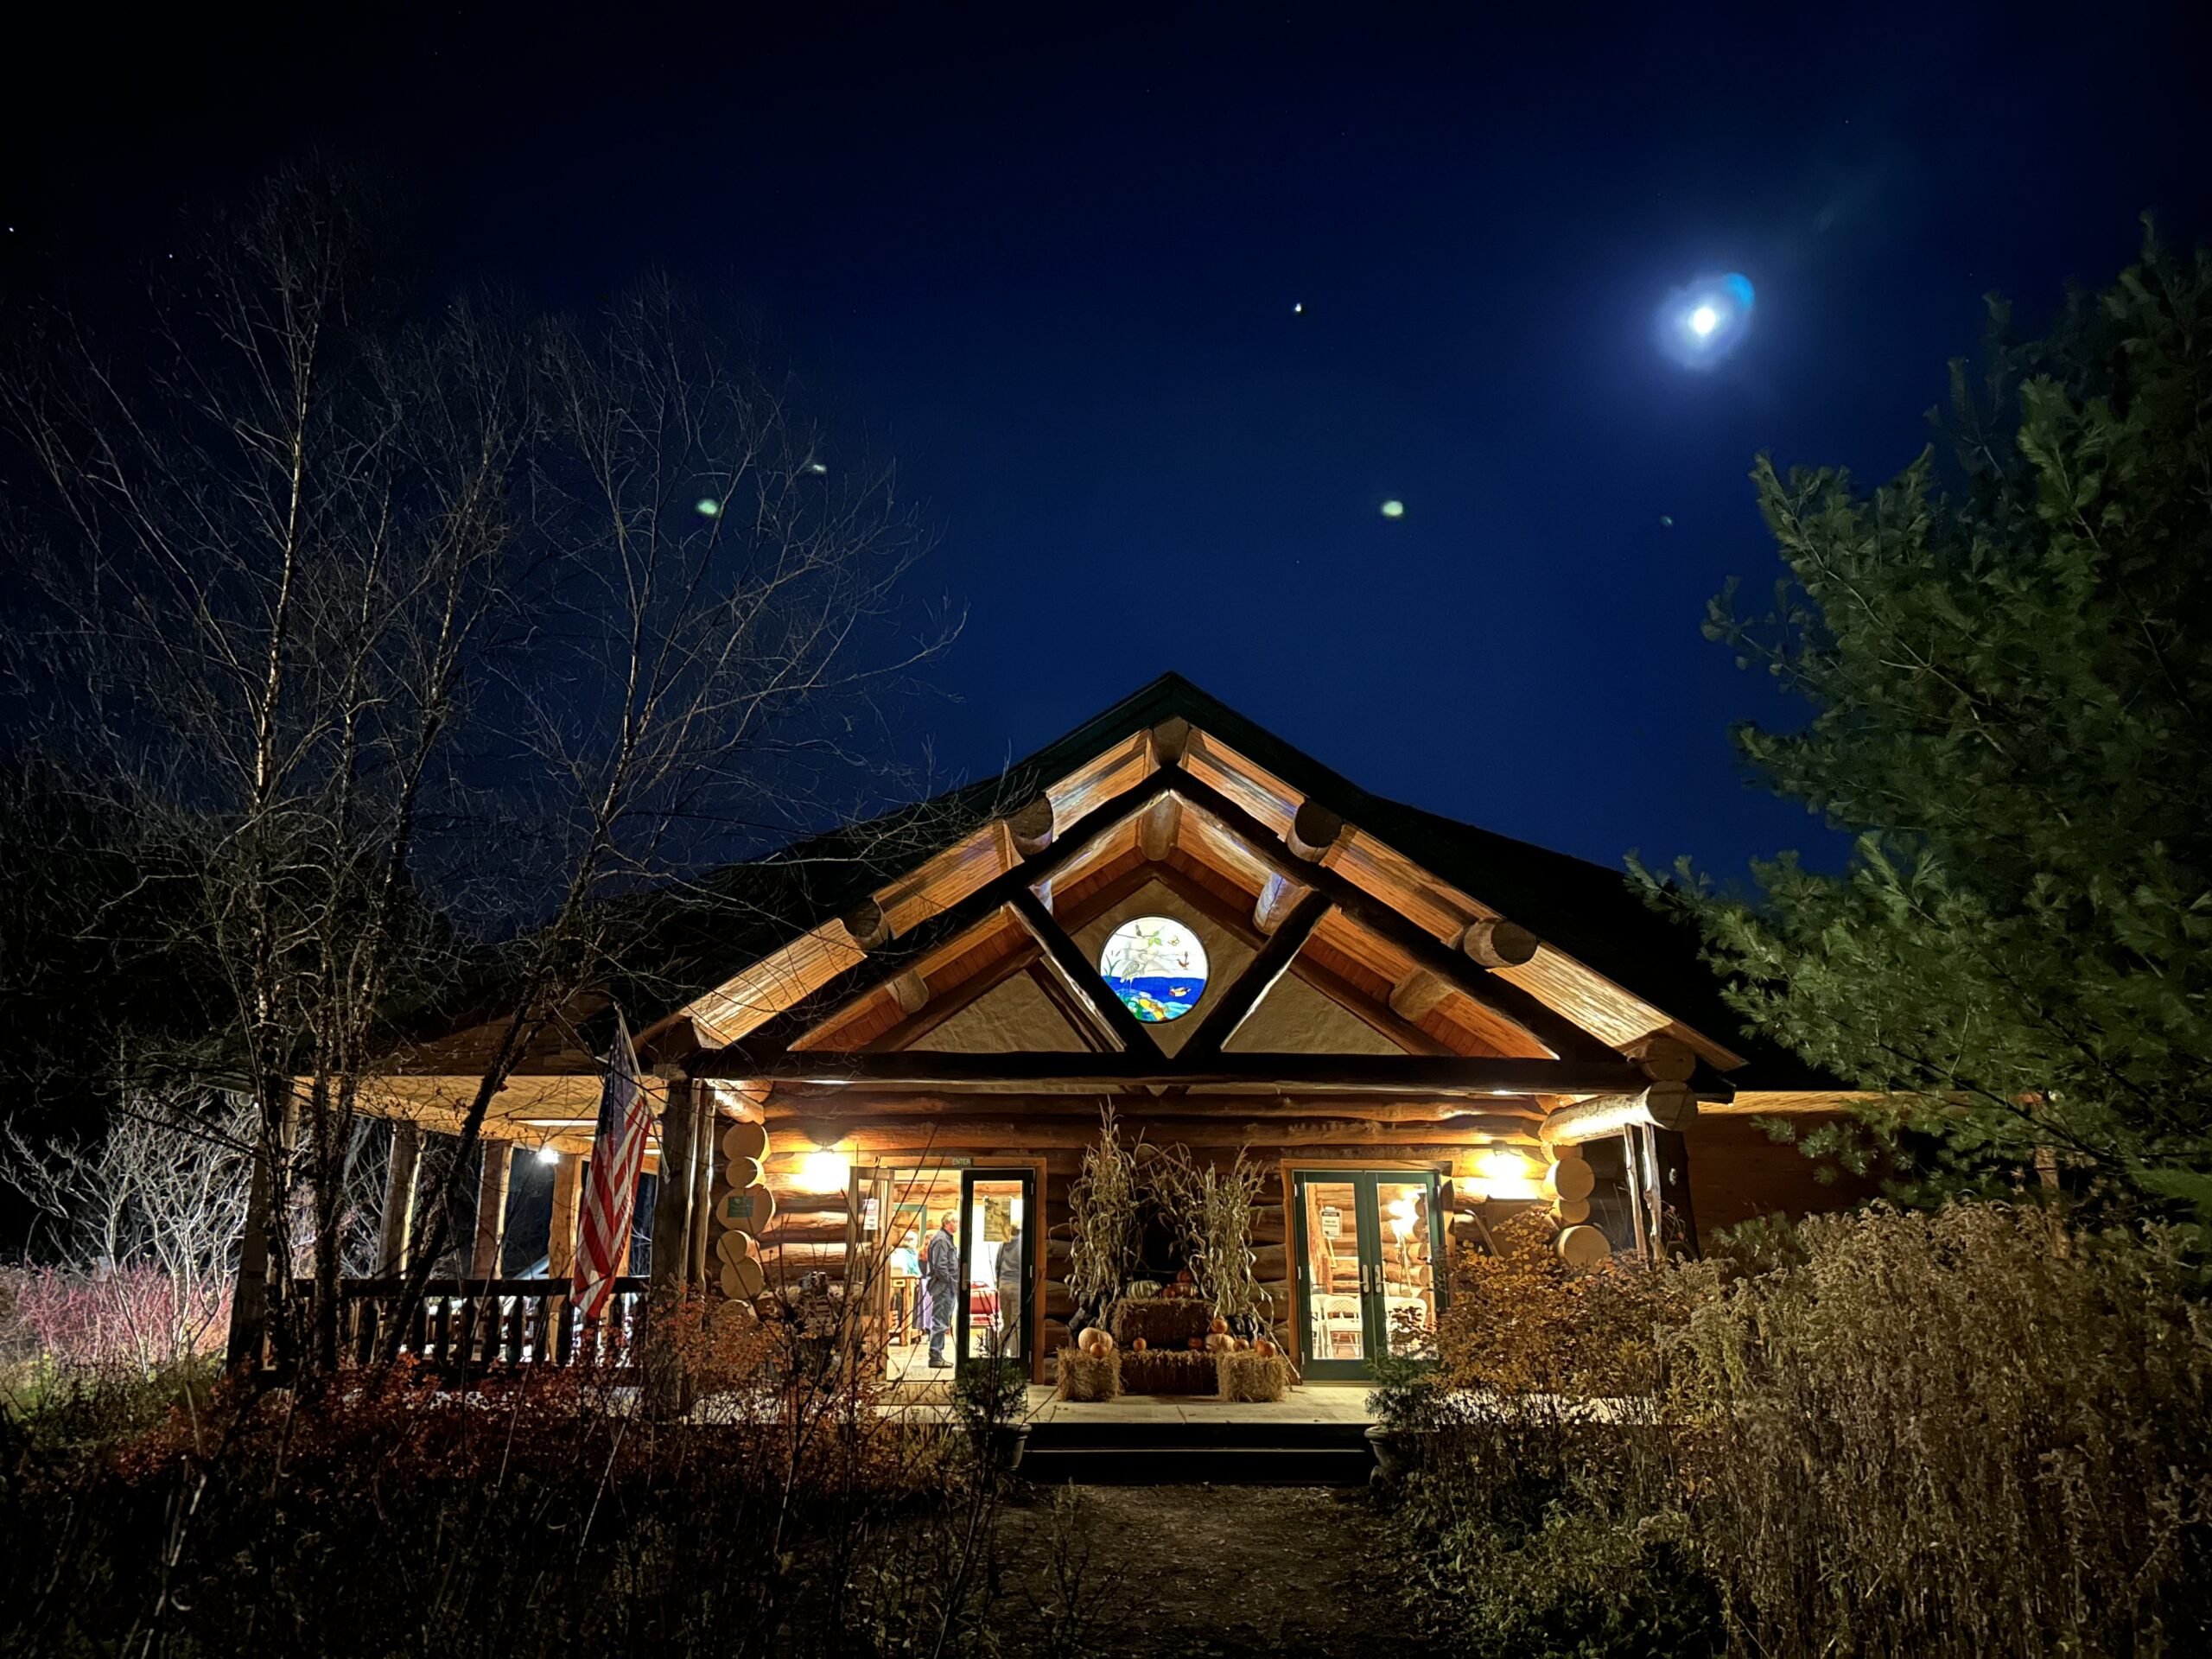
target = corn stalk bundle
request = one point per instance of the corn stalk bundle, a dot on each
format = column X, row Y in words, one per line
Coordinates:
column 1102, row 1211
column 1210, row 1211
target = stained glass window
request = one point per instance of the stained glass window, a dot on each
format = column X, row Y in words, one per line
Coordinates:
column 1156, row 966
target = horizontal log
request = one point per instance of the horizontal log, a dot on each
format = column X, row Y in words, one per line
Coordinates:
column 1056, row 1335
column 815, row 1229
column 984, row 1137
column 1059, row 1301
column 789, row 1107
column 1475, row 1074
column 868, row 925
column 1663, row 1058
column 1030, row 826
column 1658, row 1106
column 1313, row 830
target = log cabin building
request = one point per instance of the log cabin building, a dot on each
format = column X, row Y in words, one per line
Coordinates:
column 1419, row 1027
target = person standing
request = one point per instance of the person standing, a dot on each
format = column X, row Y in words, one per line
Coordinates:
column 941, row 1278
column 1008, row 1278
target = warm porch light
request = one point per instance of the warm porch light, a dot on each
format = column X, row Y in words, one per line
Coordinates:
column 824, row 1171
column 549, row 1154
column 1500, row 1173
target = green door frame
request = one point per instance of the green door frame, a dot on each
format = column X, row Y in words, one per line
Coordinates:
column 1029, row 1176
column 1367, row 1238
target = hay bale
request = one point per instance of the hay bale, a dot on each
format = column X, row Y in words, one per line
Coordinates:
column 1168, row 1371
column 1252, row 1376
column 1089, row 1376
column 1162, row 1321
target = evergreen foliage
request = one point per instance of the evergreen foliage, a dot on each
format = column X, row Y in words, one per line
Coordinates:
column 2008, row 664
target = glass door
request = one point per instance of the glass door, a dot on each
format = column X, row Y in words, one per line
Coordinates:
column 997, row 1264
column 867, row 1263
column 1366, row 1255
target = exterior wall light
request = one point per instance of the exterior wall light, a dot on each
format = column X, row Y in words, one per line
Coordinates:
column 824, row 1171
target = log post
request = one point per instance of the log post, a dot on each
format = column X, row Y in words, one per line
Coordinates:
column 402, row 1171
column 1663, row 1058
column 1671, row 1156
column 491, row 1208
column 1497, row 943
column 561, row 1231
column 679, row 1135
column 1170, row 739
column 672, row 1248
column 700, row 1232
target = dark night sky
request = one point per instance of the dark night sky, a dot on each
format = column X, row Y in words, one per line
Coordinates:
column 1052, row 268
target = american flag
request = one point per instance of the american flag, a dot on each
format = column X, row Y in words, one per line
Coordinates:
column 617, row 1152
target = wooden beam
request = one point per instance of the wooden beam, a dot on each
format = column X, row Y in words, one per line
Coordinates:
column 1156, row 831
column 1315, row 830
column 1169, row 739
column 1353, row 1073
column 1113, row 1016
column 1237, row 999
column 803, row 1103
column 1278, row 896
column 1656, row 1106
column 950, row 924
column 1030, row 826
column 1664, row 1058
column 1506, row 1001
column 397, row 1235
column 1497, row 943
column 1078, row 1015
column 1029, row 1135
column 940, row 1009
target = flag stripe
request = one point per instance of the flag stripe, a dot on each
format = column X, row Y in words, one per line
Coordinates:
column 618, row 1152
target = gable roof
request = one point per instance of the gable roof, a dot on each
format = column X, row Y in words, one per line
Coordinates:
column 736, row 917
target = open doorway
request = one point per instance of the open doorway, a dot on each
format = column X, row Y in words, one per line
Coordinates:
column 945, row 1259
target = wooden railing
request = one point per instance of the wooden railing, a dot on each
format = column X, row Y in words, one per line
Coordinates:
column 484, row 1324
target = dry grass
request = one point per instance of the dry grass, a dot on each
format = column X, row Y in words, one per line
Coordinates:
column 1963, row 1431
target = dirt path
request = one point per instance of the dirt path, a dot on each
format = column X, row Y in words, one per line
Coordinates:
column 1202, row 1573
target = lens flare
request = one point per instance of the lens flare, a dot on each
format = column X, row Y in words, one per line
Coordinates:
column 1394, row 509
column 1703, row 321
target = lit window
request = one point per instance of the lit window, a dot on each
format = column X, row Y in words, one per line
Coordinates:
column 1156, row 966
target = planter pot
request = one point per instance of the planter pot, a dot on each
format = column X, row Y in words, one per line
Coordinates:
column 1398, row 1451
column 1006, row 1442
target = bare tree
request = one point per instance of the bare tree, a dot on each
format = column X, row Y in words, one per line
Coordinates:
column 164, row 1189
column 411, row 646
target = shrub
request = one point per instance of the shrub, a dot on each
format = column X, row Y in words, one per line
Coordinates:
column 1958, row 1432
column 1965, row 1432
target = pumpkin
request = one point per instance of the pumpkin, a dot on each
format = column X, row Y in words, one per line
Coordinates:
column 1136, row 1344
column 1197, row 1347
column 1105, row 1339
column 1264, row 1348
column 1221, row 1342
column 1219, row 1326
column 1088, row 1342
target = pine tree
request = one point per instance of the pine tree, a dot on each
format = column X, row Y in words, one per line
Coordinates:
column 2008, row 664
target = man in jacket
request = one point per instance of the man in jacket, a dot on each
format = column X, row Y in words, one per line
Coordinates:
column 1009, row 1289
column 941, row 1278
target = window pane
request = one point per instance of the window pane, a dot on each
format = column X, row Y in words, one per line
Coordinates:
column 1334, row 1329
column 1409, row 1265
column 995, row 1286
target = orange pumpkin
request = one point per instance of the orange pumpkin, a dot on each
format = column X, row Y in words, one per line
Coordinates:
column 1220, row 1326
column 1136, row 1344
column 1197, row 1347
column 1265, row 1348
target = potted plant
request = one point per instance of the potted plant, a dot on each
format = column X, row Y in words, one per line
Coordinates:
column 987, row 1400
column 1406, row 1400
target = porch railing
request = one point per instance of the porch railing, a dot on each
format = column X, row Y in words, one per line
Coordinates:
column 485, row 1325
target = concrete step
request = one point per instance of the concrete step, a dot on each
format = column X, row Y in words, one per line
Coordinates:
column 1156, row 1453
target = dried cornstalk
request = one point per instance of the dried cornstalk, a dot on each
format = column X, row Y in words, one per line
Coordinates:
column 1211, row 1210
column 1103, row 1209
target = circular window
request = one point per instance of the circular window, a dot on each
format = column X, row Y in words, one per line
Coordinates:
column 1156, row 966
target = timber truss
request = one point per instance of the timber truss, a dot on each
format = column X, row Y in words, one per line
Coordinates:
column 1469, row 1012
